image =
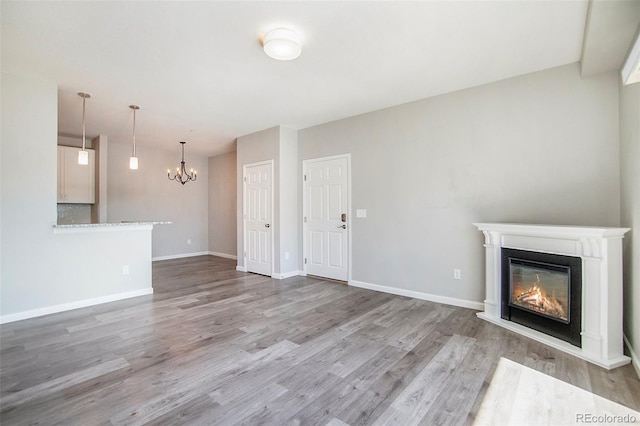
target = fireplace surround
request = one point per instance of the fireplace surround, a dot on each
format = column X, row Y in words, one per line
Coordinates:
column 599, row 251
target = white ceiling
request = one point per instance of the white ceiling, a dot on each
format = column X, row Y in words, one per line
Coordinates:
column 198, row 72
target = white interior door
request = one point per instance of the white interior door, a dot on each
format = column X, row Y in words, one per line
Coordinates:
column 257, row 215
column 326, row 218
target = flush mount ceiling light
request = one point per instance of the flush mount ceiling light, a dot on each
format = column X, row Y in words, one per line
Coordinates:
column 83, row 155
column 282, row 44
column 133, row 160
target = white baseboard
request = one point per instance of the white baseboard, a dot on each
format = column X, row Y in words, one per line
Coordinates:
column 419, row 295
column 635, row 360
column 288, row 275
column 277, row 276
column 72, row 305
column 197, row 253
column 180, row 256
column 226, row 256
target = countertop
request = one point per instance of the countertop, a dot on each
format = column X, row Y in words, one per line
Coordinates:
column 112, row 226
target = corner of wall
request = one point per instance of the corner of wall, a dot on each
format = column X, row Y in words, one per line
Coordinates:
column 629, row 116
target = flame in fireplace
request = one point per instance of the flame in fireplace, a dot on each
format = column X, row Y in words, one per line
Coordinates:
column 536, row 299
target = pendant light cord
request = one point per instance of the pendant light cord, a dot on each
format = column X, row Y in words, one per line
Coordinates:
column 134, row 132
column 84, row 96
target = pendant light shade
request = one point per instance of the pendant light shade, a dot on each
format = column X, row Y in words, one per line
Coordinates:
column 83, row 155
column 133, row 160
column 282, row 44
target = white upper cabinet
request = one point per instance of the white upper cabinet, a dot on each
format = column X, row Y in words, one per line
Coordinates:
column 76, row 183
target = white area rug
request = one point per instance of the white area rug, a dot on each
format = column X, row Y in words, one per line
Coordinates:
column 519, row 395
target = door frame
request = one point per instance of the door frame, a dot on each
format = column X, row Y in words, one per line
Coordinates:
column 244, row 212
column 304, row 209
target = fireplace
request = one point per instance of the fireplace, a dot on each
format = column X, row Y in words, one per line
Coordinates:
column 599, row 251
column 543, row 291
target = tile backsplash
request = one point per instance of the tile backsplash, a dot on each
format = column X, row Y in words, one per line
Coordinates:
column 73, row 213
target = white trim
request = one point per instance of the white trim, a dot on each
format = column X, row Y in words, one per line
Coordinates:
column 198, row 253
column 225, row 255
column 244, row 212
column 635, row 359
column 552, row 231
column 304, row 207
column 288, row 275
column 180, row 256
column 72, row 305
column 419, row 295
column 241, row 268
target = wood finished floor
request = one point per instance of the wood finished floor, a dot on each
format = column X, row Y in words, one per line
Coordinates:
column 217, row 346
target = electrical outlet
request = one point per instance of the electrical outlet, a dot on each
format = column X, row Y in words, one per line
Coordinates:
column 189, row 241
column 125, row 270
column 286, row 255
column 457, row 274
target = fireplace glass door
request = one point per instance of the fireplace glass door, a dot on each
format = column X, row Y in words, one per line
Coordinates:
column 540, row 288
column 543, row 291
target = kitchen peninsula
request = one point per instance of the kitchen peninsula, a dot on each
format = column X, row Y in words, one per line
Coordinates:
column 93, row 263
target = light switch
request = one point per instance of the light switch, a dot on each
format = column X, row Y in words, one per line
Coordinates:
column 361, row 213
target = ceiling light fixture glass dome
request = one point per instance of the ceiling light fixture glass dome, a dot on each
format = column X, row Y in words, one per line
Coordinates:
column 282, row 44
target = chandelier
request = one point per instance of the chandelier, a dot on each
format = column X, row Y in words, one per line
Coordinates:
column 181, row 175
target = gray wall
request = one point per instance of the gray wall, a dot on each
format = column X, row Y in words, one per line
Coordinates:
column 280, row 145
column 222, row 204
column 147, row 195
column 288, row 220
column 539, row 148
column 630, row 211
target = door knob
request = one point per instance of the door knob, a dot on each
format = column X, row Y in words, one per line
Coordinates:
column 267, row 225
column 343, row 226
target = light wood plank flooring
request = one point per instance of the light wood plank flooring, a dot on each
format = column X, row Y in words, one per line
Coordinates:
column 508, row 401
column 217, row 346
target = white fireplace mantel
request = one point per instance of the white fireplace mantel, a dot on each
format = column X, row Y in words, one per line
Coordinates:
column 601, row 252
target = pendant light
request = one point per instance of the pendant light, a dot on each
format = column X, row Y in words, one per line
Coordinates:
column 133, row 160
column 182, row 176
column 83, row 156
